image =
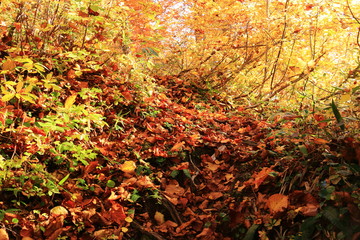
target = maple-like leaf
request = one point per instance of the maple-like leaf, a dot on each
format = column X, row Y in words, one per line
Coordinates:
column 117, row 212
column 277, row 203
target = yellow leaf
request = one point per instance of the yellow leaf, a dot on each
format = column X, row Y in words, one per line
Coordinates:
column 28, row 89
column 70, row 101
column 28, row 66
column 7, row 97
column 128, row 167
column 3, row 234
column 39, row 67
column 345, row 98
column 128, row 219
column 19, row 86
column 28, row 98
column 10, row 83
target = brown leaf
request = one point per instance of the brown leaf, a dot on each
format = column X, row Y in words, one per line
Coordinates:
column 159, row 217
column 310, row 210
column 215, row 195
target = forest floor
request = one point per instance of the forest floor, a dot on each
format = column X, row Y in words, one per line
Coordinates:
column 178, row 164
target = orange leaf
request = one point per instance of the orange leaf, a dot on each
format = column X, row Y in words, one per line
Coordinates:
column 127, row 96
column 9, row 65
column 177, row 147
column 38, row 131
column 215, row 195
column 320, row 141
column 260, row 177
column 277, row 203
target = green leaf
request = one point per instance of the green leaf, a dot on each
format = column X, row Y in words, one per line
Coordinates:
column 94, row 8
column 187, row 173
column 250, row 234
column 174, row 173
column 135, row 196
column 338, row 116
column 307, row 227
column 110, row 184
column 333, row 215
column 15, row 220
column 303, row 150
column 62, row 181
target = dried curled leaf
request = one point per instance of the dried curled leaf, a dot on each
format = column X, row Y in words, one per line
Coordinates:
column 59, row 210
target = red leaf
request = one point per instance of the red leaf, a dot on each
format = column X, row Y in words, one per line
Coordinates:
column 127, row 96
column 82, row 14
column 38, row 131
column 117, row 213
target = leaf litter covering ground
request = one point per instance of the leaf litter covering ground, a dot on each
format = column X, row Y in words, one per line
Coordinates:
column 175, row 165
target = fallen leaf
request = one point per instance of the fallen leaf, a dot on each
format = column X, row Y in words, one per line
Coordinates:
column 320, row 141
column 212, row 166
column 174, row 190
column 128, row 167
column 177, row 147
column 309, row 210
column 159, row 217
column 127, row 96
column 215, row 195
column 59, row 210
column 277, row 203
column 3, row 234
column 117, row 213
column 260, row 177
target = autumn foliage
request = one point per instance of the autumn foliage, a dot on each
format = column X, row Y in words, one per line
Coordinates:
column 185, row 119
